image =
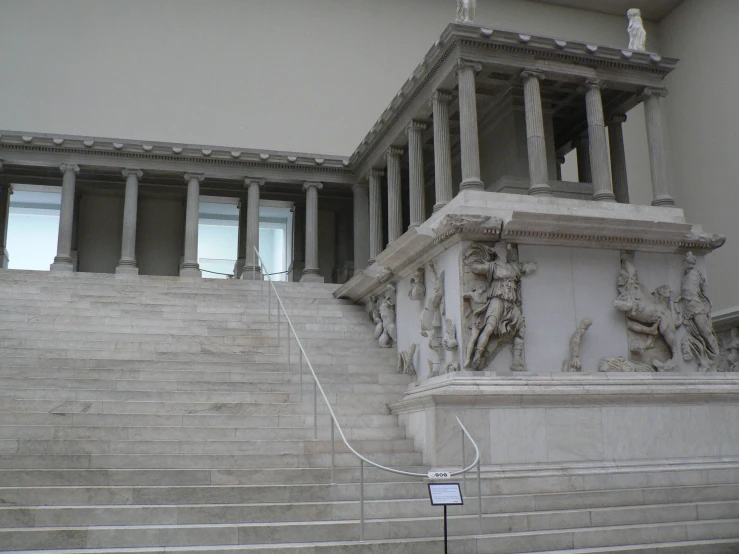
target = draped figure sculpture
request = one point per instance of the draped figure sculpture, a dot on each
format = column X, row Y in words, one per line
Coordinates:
column 466, row 11
column 495, row 305
column 701, row 344
column 637, row 34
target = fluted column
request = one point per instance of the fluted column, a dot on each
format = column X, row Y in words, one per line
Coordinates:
column 469, row 140
column 6, row 190
column 241, row 240
column 190, row 266
column 537, row 149
column 361, row 226
column 415, row 161
column 599, row 160
column 442, row 149
column 583, row 160
column 251, row 263
column 63, row 260
column 618, row 158
column 127, row 263
column 394, row 199
column 311, row 273
column 656, row 140
column 375, row 211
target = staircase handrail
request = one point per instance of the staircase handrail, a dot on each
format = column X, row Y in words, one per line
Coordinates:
column 334, row 419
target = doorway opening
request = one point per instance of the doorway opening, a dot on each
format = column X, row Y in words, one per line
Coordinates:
column 33, row 226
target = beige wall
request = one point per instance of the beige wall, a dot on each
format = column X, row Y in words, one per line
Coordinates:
column 703, row 113
column 308, row 75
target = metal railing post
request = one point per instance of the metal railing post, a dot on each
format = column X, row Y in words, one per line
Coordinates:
column 278, row 324
column 269, row 303
column 301, row 376
column 287, row 328
column 315, row 411
column 479, row 497
column 464, row 475
column 261, row 277
column 333, row 451
column 361, row 500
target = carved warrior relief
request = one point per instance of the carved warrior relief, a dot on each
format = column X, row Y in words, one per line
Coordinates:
column 700, row 345
column 382, row 311
column 730, row 351
column 418, row 285
column 650, row 319
column 433, row 310
column 405, row 361
column 493, row 314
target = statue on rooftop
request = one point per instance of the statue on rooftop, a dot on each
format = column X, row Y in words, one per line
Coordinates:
column 637, row 34
column 466, row 11
column 701, row 344
column 495, row 305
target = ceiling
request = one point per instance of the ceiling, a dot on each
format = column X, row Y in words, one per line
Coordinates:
column 653, row 10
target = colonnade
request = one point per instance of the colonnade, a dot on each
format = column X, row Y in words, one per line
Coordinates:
column 598, row 164
column 64, row 262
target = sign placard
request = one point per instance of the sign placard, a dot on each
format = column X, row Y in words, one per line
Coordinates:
column 439, row 475
column 445, row 494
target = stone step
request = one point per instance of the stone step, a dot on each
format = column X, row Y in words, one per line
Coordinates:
column 502, row 543
column 246, row 433
column 283, row 384
column 198, row 461
column 103, row 477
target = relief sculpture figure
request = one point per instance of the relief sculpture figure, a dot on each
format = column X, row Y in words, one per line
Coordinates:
column 637, row 34
column 573, row 363
column 388, row 336
column 495, row 306
column 433, row 308
column 701, row 344
column 418, row 287
column 648, row 316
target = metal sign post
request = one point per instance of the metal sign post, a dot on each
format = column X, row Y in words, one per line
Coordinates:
column 445, row 494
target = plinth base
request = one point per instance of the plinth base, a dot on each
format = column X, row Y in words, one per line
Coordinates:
column 191, row 272
column 311, row 276
column 62, row 267
column 126, row 270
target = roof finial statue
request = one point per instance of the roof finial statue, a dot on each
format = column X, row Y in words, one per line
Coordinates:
column 465, row 11
column 637, row 34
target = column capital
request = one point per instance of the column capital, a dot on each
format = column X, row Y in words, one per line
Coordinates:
column 312, row 184
column 617, row 118
column 394, row 151
column 443, row 96
column 359, row 188
column 653, row 91
column 376, row 173
column 560, row 160
column 69, row 167
column 532, row 74
column 128, row 171
column 594, row 84
column 416, row 126
column 190, row 176
column 248, row 181
column 463, row 63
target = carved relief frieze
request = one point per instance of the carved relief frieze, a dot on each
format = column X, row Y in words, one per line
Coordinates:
column 418, row 284
column 382, row 313
column 651, row 321
column 573, row 364
column 493, row 305
column 433, row 310
column 405, row 360
column 700, row 345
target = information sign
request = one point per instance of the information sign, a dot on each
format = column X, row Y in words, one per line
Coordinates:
column 439, row 475
column 445, row 494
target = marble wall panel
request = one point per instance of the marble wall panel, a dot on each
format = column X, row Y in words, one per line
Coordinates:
column 574, row 434
column 517, row 435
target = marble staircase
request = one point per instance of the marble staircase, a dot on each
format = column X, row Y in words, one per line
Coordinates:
column 159, row 415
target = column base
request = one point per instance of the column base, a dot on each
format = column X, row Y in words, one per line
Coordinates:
column 126, row 270
column 472, row 184
column 666, row 200
column 4, row 258
column 439, row 205
column 311, row 275
column 193, row 272
column 62, row 264
column 604, row 197
column 251, row 273
column 542, row 189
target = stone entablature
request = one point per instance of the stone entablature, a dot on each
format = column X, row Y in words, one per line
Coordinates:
column 42, row 149
column 496, row 50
